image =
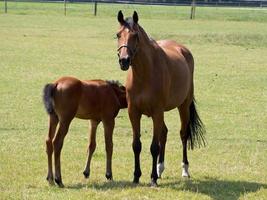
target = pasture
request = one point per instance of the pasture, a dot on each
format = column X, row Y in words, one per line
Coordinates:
column 38, row 44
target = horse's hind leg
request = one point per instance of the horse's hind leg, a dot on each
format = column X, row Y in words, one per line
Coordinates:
column 91, row 147
column 162, row 143
column 184, row 134
column 57, row 144
column 53, row 121
column 108, row 129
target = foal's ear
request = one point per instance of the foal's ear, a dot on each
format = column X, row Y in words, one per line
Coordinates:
column 135, row 17
column 120, row 17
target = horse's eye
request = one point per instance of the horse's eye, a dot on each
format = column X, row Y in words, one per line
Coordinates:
column 118, row 35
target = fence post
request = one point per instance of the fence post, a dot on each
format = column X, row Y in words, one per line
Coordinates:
column 65, row 8
column 193, row 9
column 5, row 6
column 95, row 8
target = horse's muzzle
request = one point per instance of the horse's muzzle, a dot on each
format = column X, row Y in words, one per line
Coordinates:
column 125, row 63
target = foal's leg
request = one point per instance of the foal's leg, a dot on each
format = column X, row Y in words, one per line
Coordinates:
column 53, row 121
column 154, row 148
column 162, row 143
column 57, row 144
column 91, row 147
column 135, row 117
column 184, row 134
column 108, row 129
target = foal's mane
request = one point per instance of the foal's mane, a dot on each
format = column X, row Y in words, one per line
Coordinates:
column 114, row 83
column 120, row 91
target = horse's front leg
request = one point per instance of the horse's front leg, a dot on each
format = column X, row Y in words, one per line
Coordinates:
column 135, row 117
column 154, row 148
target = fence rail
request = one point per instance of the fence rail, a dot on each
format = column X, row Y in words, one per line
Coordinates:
column 193, row 3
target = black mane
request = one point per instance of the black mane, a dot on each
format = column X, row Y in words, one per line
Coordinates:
column 114, row 82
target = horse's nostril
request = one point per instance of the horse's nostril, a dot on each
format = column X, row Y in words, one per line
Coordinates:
column 125, row 61
column 128, row 60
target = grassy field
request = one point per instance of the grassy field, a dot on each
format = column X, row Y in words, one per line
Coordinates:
column 39, row 44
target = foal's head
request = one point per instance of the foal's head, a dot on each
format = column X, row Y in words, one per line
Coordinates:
column 128, row 39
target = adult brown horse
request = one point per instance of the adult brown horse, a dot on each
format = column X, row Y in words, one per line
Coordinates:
column 96, row 100
column 160, row 79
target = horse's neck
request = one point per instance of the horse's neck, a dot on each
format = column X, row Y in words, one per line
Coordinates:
column 142, row 65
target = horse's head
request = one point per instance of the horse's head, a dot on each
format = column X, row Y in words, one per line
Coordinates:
column 127, row 39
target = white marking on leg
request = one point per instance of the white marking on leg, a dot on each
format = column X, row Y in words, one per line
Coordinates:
column 185, row 172
column 160, row 169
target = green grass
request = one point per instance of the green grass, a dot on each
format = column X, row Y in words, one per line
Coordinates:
column 39, row 44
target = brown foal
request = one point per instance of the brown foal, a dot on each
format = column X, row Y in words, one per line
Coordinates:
column 160, row 79
column 96, row 100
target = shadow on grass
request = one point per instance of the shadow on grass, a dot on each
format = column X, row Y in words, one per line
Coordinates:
column 216, row 189
column 212, row 187
column 107, row 185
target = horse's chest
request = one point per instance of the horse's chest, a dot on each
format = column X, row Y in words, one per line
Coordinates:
column 144, row 103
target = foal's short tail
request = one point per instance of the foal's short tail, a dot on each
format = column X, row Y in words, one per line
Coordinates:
column 48, row 93
column 196, row 128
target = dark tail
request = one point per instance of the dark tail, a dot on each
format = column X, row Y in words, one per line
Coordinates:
column 48, row 93
column 196, row 128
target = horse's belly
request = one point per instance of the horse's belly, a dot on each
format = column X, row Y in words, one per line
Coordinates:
column 87, row 113
column 176, row 99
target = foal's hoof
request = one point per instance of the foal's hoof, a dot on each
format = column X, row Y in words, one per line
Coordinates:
column 136, row 180
column 59, row 183
column 153, row 183
column 86, row 174
column 109, row 176
column 50, row 181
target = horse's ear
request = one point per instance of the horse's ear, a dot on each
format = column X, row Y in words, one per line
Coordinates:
column 120, row 17
column 135, row 17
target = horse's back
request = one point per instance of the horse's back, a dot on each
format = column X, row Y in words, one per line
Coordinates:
column 98, row 101
column 179, row 51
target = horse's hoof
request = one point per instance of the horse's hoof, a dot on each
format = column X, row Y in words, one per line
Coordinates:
column 186, row 176
column 59, row 183
column 153, row 183
column 50, row 181
column 86, row 174
column 109, row 176
column 136, row 180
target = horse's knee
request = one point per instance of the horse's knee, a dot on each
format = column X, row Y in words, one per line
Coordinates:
column 57, row 145
column 165, row 130
column 137, row 146
column 49, row 146
column 109, row 147
column 184, row 134
column 92, row 147
column 154, row 149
